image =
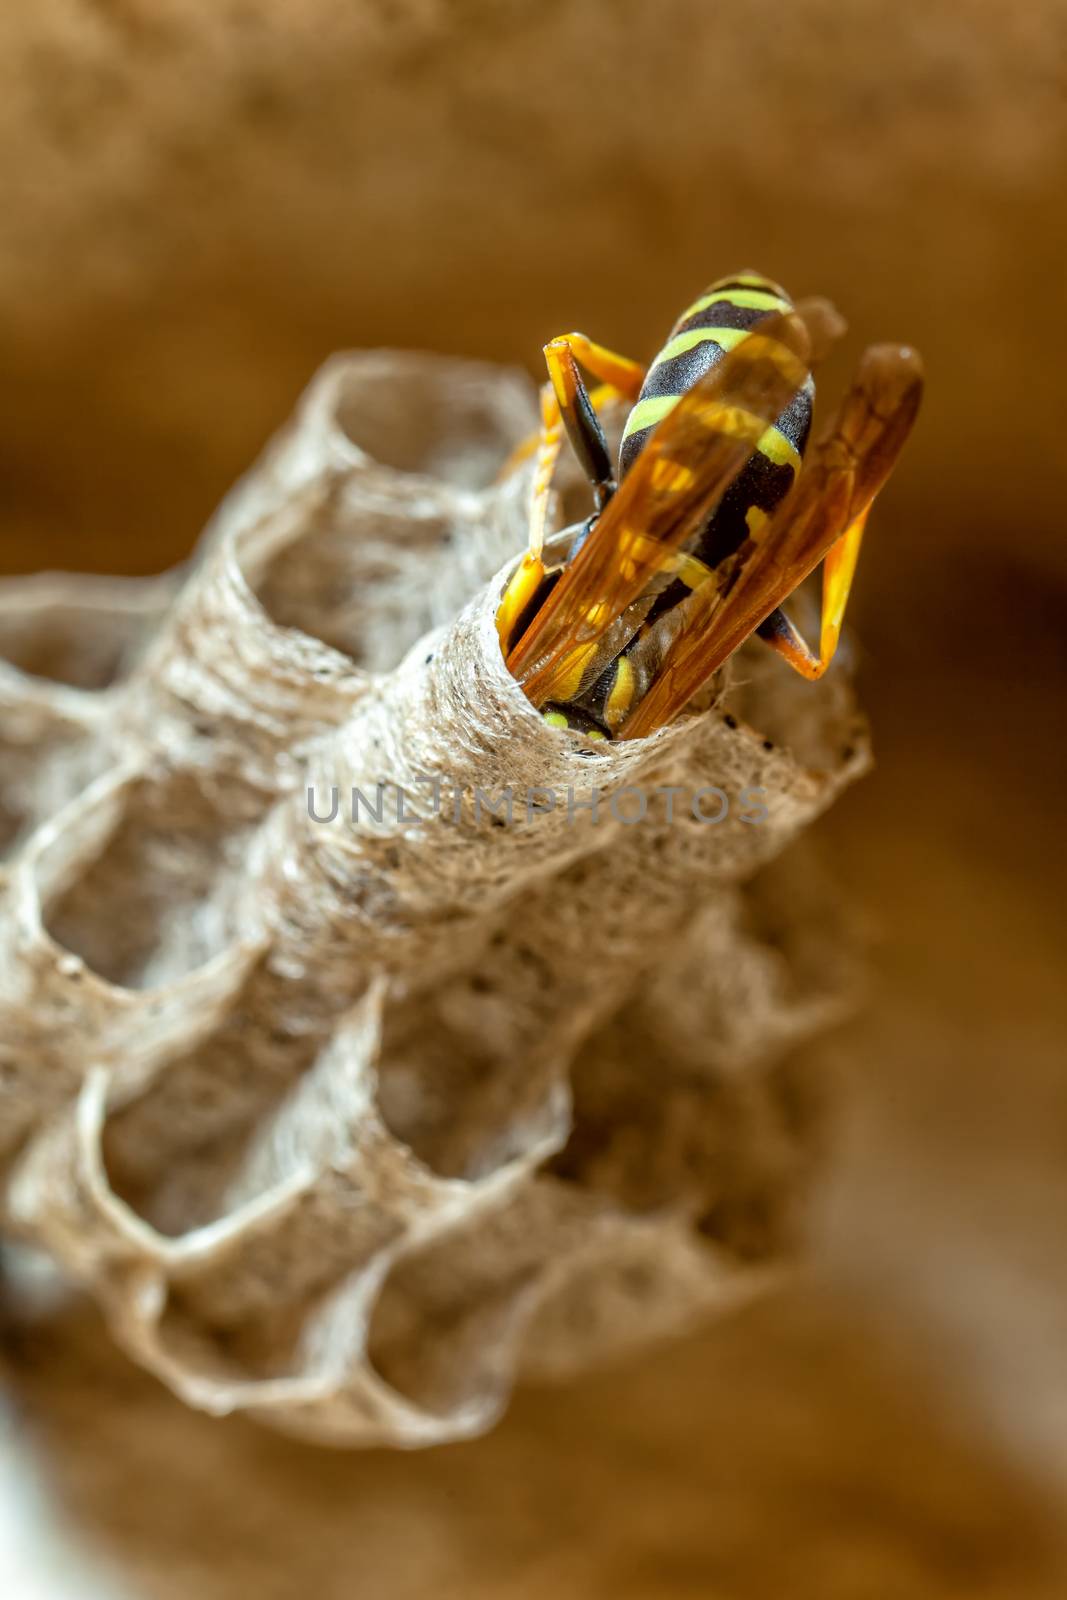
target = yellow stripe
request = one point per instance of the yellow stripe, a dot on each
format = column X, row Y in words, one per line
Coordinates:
column 622, row 690
column 772, row 443
column 693, row 572
column 777, row 448
column 726, row 338
column 751, row 299
column 566, row 676
column 648, row 412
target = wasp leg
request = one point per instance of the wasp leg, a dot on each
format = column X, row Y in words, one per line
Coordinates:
column 529, row 575
column 548, row 447
column 566, row 403
column 617, row 374
column 839, row 568
column 838, row 571
column 619, row 379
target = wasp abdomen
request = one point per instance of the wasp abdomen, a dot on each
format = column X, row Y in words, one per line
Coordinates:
column 716, row 322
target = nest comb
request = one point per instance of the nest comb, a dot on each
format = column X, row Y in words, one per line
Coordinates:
column 348, row 1124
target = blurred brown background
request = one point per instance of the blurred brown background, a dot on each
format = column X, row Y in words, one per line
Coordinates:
column 199, row 202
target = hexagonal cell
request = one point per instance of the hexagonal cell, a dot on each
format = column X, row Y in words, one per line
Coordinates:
column 352, row 575
column 80, row 631
column 456, row 1082
column 139, row 883
column 434, row 416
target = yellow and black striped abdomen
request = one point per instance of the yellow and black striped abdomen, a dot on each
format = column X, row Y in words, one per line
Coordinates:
column 713, row 324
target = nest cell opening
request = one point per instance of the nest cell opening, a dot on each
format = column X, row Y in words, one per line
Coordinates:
column 452, row 1092
column 76, row 632
column 435, row 1336
column 137, row 886
column 351, row 580
column 456, row 422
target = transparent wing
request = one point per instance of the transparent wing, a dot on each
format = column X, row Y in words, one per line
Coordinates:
column 842, row 473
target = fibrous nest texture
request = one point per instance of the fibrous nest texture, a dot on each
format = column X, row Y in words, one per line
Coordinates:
column 351, row 1094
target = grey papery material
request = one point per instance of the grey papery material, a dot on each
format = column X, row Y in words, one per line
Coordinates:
column 349, row 1123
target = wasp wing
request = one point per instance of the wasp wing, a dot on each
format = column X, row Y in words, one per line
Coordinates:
column 691, row 459
column 842, row 473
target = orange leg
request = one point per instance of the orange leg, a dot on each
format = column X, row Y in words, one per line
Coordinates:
column 838, row 570
column 529, row 574
column 618, row 375
column 566, row 404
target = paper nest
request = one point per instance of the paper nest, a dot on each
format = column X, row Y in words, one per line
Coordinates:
column 349, row 1124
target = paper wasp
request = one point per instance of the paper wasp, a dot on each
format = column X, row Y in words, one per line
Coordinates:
column 719, row 510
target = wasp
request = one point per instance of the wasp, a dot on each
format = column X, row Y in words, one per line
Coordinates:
column 718, row 508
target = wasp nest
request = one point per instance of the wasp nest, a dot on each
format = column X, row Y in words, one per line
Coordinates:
column 350, row 1095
